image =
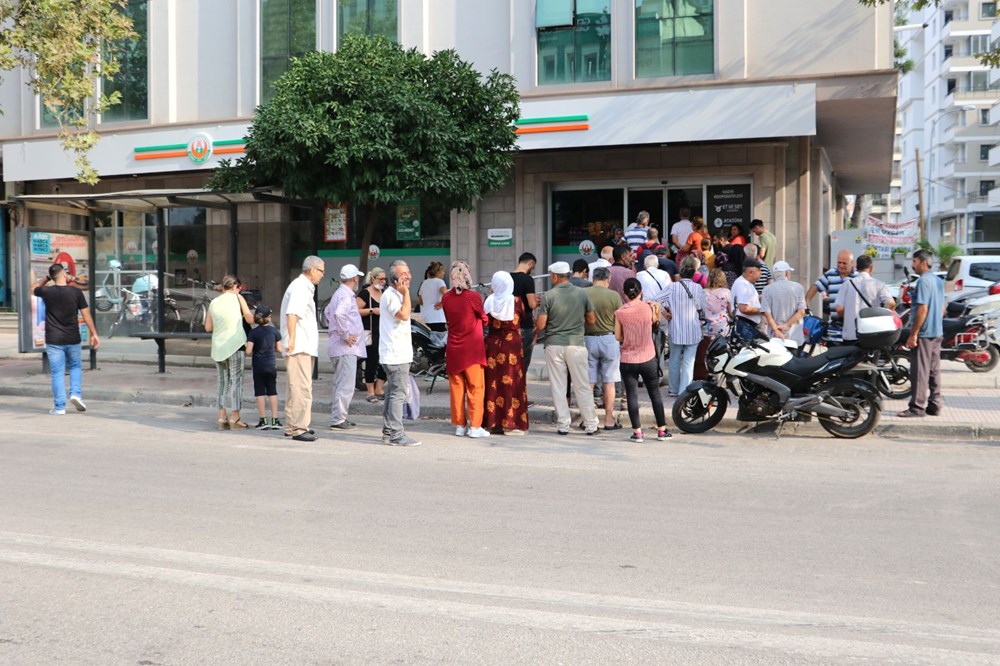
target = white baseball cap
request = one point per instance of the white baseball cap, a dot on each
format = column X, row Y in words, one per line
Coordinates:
column 600, row 263
column 782, row 266
column 349, row 271
column 559, row 268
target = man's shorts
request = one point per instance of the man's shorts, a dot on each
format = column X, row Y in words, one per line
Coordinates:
column 265, row 382
column 603, row 359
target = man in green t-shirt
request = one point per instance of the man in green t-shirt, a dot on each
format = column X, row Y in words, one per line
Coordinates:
column 603, row 351
column 564, row 312
column 767, row 243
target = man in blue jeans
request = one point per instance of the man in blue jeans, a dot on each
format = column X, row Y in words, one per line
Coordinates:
column 64, row 303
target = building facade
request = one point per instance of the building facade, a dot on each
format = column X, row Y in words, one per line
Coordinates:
column 946, row 109
column 763, row 109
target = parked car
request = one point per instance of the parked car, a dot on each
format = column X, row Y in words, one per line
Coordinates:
column 900, row 291
column 971, row 272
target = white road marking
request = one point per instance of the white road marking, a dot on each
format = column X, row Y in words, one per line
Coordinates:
column 793, row 633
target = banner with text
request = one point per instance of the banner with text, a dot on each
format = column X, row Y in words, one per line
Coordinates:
column 887, row 236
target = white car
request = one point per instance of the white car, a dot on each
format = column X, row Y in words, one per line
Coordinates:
column 971, row 272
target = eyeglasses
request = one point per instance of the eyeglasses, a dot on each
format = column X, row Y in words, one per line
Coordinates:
column 380, row 278
column 322, row 271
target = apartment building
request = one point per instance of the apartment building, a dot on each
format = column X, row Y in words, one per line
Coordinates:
column 945, row 106
column 768, row 109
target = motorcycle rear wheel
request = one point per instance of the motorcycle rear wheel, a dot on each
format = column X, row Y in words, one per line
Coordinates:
column 897, row 375
column 103, row 304
column 864, row 408
column 988, row 365
column 693, row 417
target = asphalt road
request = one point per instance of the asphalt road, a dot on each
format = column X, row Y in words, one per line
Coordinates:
column 140, row 535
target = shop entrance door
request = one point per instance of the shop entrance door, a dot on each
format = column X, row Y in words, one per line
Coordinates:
column 663, row 205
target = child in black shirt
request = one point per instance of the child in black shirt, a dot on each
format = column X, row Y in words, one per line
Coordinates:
column 262, row 343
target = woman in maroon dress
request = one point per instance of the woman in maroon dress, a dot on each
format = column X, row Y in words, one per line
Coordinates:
column 506, row 387
column 465, row 354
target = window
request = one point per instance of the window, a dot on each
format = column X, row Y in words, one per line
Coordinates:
column 574, row 40
column 132, row 79
column 985, row 186
column 948, row 50
column 984, row 152
column 367, row 17
column 985, row 271
column 579, row 215
column 674, row 37
column 984, row 116
column 987, row 10
column 288, row 30
column 979, row 44
column 951, row 85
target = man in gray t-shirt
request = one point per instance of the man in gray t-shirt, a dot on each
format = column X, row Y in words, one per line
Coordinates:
column 563, row 314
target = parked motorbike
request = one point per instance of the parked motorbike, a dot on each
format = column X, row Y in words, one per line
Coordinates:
column 428, row 352
column 770, row 383
column 972, row 339
column 139, row 306
column 109, row 294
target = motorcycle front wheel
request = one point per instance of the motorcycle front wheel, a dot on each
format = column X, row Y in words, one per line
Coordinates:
column 988, row 365
column 103, row 304
column 693, row 416
column 861, row 405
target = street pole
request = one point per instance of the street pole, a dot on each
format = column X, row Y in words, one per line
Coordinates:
column 920, row 200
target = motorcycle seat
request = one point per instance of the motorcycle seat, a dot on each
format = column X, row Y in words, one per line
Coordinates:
column 802, row 366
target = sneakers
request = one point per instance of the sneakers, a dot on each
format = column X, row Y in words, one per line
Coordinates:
column 304, row 436
column 77, row 402
column 663, row 435
column 461, row 431
column 514, row 433
column 590, row 432
column 276, row 424
column 404, row 441
column 262, row 424
column 343, row 425
column 562, row 431
column 57, row 412
column 636, row 437
column 479, row 432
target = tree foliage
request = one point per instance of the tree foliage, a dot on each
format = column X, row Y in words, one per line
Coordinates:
column 376, row 124
column 63, row 45
column 990, row 58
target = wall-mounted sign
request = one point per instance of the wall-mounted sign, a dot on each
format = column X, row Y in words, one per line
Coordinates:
column 335, row 223
column 374, row 252
column 727, row 205
column 199, row 149
column 587, row 248
column 500, row 237
column 408, row 221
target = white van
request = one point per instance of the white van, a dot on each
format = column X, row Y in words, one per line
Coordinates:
column 971, row 272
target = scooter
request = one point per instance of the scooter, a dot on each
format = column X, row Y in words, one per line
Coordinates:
column 107, row 295
column 972, row 339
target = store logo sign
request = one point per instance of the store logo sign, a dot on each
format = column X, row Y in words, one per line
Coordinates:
column 199, row 148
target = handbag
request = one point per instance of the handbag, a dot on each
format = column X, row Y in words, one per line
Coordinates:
column 369, row 340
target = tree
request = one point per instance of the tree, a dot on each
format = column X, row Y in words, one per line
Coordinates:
column 376, row 125
column 66, row 45
column 990, row 58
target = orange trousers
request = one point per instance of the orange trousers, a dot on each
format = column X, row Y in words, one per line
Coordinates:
column 470, row 382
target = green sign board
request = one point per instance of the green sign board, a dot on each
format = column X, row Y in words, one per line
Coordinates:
column 408, row 221
column 500, row 237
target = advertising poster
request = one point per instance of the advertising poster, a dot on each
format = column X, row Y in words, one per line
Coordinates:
column 335, row 223
column 408, row 221
column 728, row 205
column 37, row 250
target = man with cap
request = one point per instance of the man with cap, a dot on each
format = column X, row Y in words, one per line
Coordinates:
column 783, row 303
column 345, row 344
column 564, row 312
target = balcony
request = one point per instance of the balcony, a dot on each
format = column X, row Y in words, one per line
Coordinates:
column 961, row 63
column 963, row 26
column 990, row 93
column 994, row 197
column 994, row 160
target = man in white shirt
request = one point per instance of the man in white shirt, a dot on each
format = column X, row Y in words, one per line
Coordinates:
column 300, row 340
column 679, row 234
column 784, row 305
column 395, row 351
column 654, row 280
column 746, row 300
column 862, row 291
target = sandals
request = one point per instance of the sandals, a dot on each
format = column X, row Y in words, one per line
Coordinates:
column 237, row 425
column 222, row 424
column 372, row 399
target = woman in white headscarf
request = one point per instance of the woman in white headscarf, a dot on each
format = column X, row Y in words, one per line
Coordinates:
column 506, row 385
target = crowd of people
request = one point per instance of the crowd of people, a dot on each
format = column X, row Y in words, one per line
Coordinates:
column 603, row 326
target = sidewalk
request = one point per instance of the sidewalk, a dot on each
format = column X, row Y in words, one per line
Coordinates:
column 127, row 373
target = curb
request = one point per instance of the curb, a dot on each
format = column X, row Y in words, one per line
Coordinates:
column 543, row 415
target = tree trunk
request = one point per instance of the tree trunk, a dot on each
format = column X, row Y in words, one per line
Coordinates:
column 860, row 203
column 369, row 220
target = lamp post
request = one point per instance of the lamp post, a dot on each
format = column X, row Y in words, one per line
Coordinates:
column 922, row 217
